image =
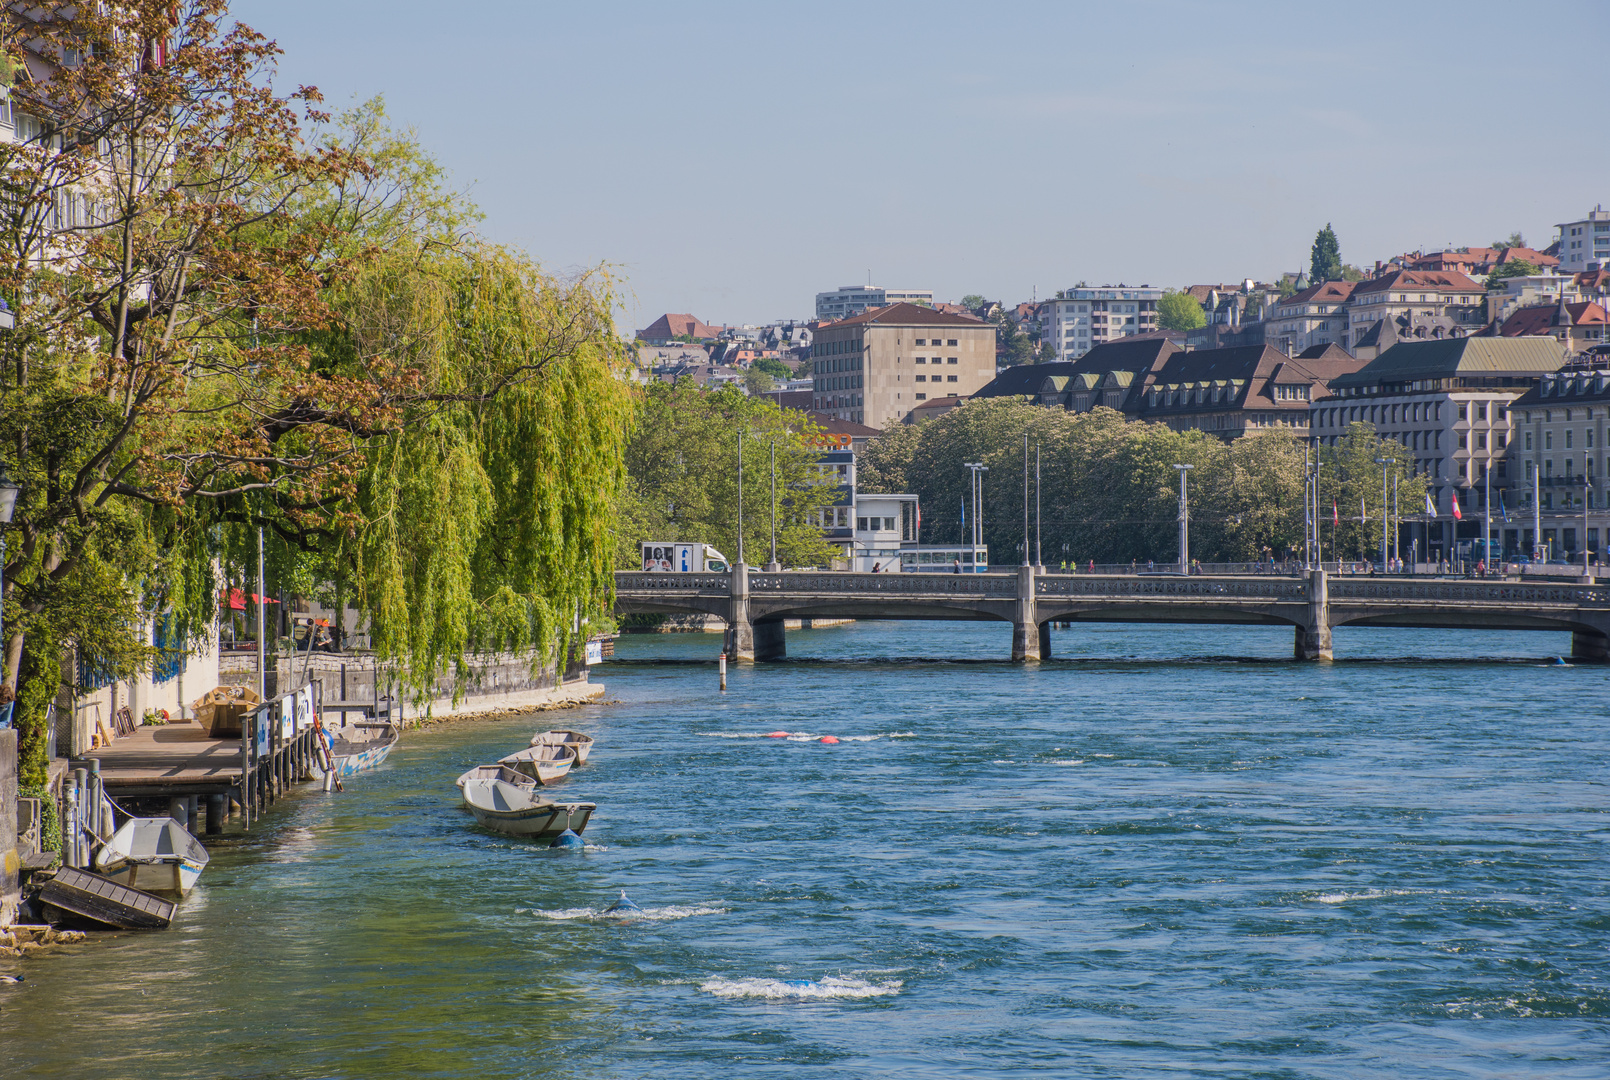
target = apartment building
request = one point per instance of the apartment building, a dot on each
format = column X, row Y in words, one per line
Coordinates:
column 1577, row 327
column 1317, row 315
column 1079, row 319
column 1231, row 392
column 1448, row 404
column 875, row 367
column 1585, row 244
column 1557, row 460
column 851, row 300
column 1414, row 304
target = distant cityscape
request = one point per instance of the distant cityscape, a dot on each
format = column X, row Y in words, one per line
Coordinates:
column 1489, row 365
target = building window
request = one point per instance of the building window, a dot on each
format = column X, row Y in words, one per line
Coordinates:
column 952, row 360
column 1461, row 440
column 1463, row 409
column 951, row 343
column 922, row 341
column 950, row 378
column 922, row 397
column 1528, row 440
column 920, row 359
column 1548, row 440
column 1568, row 438
column 1481, row 441
column 1481, row 410
column 922, row 378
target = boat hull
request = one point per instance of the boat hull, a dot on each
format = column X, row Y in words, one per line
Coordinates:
column 582, row 744
column 548, row 763
column 349, row 759
column 163, row 878
column 516, row 809
column 155, row 855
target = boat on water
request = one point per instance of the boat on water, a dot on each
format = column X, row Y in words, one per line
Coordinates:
column 493, row 772
column 156, row 855
column 583, row 744
column 549, row 763
column 357, row 747
column 518, row 809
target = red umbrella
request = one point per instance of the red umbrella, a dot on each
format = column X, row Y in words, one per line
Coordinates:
column 237, row 598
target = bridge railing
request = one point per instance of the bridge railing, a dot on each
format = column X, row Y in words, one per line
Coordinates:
column 994, row 586
column 1196, row 587
column 663, row 581
column 1466, row 592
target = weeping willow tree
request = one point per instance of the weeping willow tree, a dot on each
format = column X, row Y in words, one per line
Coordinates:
column 486, row 521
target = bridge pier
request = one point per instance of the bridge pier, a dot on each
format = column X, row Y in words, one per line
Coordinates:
column 1314, row 639
column 1026, row 629
column 1045, row 641
column 770, row 642
column 740, row 631
column 1589, row 647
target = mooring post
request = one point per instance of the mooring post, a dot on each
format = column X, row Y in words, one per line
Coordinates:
column 1313, row 639
column 721, row 663
column 1025, row 627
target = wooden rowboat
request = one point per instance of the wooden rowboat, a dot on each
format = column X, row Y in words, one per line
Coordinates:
column 518, row 809
column 583, row 744
column 156, row 855
column 548, row 763
column 494, row 772
column 351, row 755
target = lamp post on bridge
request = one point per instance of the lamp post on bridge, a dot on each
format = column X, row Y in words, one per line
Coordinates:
column 1185, row 521
column 1025, row 498
column 1386, row 515
column 977, row 468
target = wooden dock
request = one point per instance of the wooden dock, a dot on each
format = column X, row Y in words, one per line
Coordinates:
column 180, row 762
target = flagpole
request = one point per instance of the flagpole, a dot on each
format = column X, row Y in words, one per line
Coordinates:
column 1487, row 515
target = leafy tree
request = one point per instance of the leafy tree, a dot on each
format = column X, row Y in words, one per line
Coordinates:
column 973, row 300
column 682, row 468
column 757, row 381
column 1515, row 240
column 1325, row 261
column 1510, row 268
column 773, row 367
column 1352, row 273
column 1179, row 311
column 259, row 326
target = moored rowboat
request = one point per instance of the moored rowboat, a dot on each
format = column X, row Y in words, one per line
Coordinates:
column 154, row 855
column 583, row 744
column 494, row 772
column 518, row 810
column 351, row 756
column 548, row 763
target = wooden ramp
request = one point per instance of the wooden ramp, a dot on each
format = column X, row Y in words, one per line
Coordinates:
column 102, row 900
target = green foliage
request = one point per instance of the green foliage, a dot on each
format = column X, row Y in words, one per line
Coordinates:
column 1515, row 240
column 682, row 466
column 1109, row 488
column 757, row 381
column 773, row 367
column 1179, row 311
column 973, row 301
column 1510, row 268
column 1352, row 273
column 1325, row 260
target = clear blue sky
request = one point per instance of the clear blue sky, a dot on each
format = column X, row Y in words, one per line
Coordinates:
column 733, row 159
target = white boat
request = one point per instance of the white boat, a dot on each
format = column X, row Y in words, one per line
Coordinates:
column 154, row 855
column 519, row 810
column 494, row 772
column 548, row 763
column 358, row 747
column 583, row 744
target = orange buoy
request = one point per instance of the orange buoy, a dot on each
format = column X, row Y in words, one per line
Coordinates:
column 830, row 740
column 778, row 735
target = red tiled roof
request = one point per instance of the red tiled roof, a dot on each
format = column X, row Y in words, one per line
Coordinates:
column 1417, row 279
column 906, row 315
column 669, row 325
column 1540, row 318
column 1325, row 292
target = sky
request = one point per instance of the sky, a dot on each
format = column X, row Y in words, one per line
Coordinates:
column 731, row 160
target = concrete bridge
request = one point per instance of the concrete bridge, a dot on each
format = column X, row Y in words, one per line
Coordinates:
column 754, row 604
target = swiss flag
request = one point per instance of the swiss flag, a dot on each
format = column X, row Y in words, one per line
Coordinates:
column 1457, row 516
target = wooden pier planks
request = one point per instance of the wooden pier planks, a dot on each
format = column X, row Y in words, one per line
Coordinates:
column 177, row 759
column 103, row 900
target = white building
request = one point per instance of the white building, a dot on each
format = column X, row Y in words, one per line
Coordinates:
column 1515, row 293
column 1079, row 319
column 882, row 524
column 851, row 300
column 1585, row 244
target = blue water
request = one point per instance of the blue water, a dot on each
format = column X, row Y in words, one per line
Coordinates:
column 1174, row 853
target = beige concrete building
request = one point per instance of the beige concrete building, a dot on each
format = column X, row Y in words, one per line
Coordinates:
column 874, row 368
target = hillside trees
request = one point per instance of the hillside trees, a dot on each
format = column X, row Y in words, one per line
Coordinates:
column 1325, row 259
column 1109, row 490
column 682, row 476
column 227, row 321
column 1179, row 311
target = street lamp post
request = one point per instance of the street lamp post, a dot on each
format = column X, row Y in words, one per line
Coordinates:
column 772, row 566
column 978, row 468
column 1039, row 559
column 1025, row 498
column 1185, row 521
column 8, row 505
column 1386, row 517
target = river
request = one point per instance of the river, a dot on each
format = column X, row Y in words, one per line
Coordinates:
column 1172, row 853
